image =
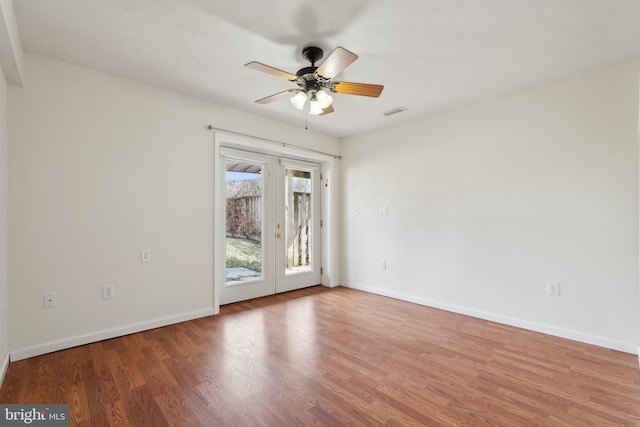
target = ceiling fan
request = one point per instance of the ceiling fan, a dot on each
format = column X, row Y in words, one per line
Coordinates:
column 314, row 83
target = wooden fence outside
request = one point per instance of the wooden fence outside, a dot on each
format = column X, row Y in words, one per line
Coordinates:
column 298, row 236
column 244, row 217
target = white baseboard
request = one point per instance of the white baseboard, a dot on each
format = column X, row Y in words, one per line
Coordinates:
column 626, row 347
column 330, row 283
column 105, row 335
column 3, row 368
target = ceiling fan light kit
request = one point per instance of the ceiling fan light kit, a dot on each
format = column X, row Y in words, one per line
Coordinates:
column 315, row 83
column 299, row 99
column 324, row 99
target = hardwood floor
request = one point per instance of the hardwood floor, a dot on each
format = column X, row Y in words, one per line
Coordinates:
column 334, row 357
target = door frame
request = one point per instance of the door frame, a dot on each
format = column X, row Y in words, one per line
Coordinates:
column 329, row 196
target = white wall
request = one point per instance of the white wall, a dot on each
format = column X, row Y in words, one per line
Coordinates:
column 4, row 340
column 100, row 168
column 490, row 201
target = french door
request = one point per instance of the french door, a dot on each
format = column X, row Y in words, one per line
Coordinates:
column 272, row 224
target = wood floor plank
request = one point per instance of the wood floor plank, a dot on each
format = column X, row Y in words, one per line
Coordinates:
column 334, row 357
column 142, row 409
column 117, row 415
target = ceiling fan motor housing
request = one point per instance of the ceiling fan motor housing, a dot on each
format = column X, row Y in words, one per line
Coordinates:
column 306, row 70
column 307, row 79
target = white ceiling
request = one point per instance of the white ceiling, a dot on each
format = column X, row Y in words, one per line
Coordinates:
column 429, row 54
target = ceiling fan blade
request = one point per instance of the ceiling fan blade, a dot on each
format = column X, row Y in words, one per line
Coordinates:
column 275, row 97
column 327, row 110
column 270, row 70
column 362, row 89
column 335, row 63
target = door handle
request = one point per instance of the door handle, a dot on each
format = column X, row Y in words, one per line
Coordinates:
column 279, row 235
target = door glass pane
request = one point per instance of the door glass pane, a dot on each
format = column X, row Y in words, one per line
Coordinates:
column 245, row 201
column 298, row 220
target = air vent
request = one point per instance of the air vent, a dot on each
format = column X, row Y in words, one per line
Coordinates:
column 394, row 111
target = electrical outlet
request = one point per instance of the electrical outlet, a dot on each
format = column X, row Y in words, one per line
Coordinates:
column 384, row 211
column 145, row 255
column 383, row 265
column 108, row 291
column 553, row 289
column 356, row 211
column 50, row 300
